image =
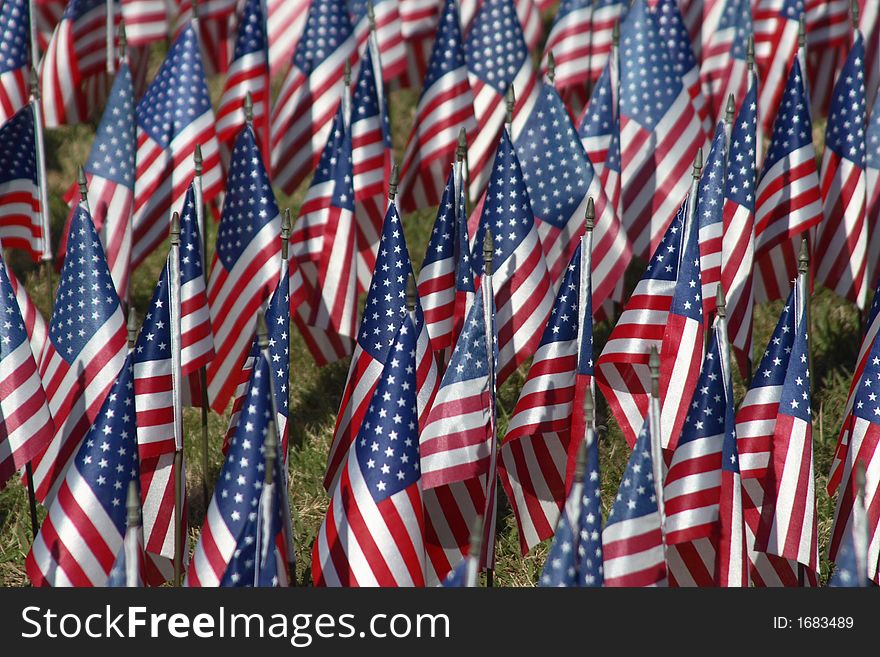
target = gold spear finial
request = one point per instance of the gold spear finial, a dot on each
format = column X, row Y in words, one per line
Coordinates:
column 590, row 217
column 175, row 229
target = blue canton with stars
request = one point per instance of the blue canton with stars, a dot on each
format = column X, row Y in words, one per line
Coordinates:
column 251, row 36
column 387, row 446
column 86, row 297
column 795, row 400
column 190, row 240
column 555, row 167
column 664, row 263
column 507, row 210
column 76, row 9
column 447, row 243
column 771, row 371
column 113, row 152
column 240, row 484
column 178, row 95
column 710, row 194
column 12, row 330
column 845, row 132
column 688, row 298
column 740, row 178
column 585, row 318
column 562, row 326
column 591, row 569
column 17, row 150
column 612, row 161
column 333, row 167
column 846, row 568
column 495, row 46
column 792, row 128
column 636, row 496
column 154, row 340
column 108, row 456
column 649, row 83
column 470, row 356
column 14, row 35
column 448, row 52
column 866, row 404
column 729, row 448
column 599, row 117
column 386, row 298
column 560, row 568
column 873, row 138
column 460, row 575
column 707, row 415
column 671, row 27
column 250, row 203
column 365, row 104
column 792, row 9
column 328, row 26
column 737, row 15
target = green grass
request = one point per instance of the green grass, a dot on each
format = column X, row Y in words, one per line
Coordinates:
column 315, row 393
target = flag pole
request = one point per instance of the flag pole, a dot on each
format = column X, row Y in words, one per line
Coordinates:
column 265, row 539
column 475, row 550
column 462, row 175
column 590, row 53
column 40, row 157
column 585, row 283
column 802, row 55
column 860, row 524
column 132, row 532
column 657, row 440
column 32, row 498
column 490, row 510
column 179, row 475
column 111, row 37
column 34, row 41
column 753, row 80
column 802, row 300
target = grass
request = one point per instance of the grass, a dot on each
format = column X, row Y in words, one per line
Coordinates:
column 315, row 393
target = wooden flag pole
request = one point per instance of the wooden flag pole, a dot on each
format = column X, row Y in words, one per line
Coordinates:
column 179, row 474
column 40, row 157
column 32, row 498
column 490, row 510
column 111, row 36
column 131, row 542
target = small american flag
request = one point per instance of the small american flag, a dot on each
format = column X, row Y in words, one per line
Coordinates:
column 596, row 123
column 527, row 15
column 25, row 422
column 85, row 352
column 34, row 323
column 310, row 93
column 383, row 309
column 843, row 239
column 605, row 14
column 85, row 527
column 146, row 21
column 285, row 22
column 240, row 514
column 173, row 117
column 725, row 70
column 702, row 18
column 245, row 267
column 14, row 57
column 446, row 106
column 634, row 549
column 789, row 199
column 20, row 222
column 392, row 49
column 373, row 532
column 571, row 43
column 591, row 564
column 828, row 39
column 872, row 174
column 497, row 58
column 561, row 565
column 215, row 27
column 658, row 140
column 709, row 217
column 776, row 26
column 73, row 71
column 248, row 73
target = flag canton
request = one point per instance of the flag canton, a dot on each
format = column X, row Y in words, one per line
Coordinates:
column 846, row 567
column 250, row 203
column 771, row 371
column 17, row 158
column 386, row 299
column 441, row 246
column 564, row 317
column 866, row 404
column 590, row 559
column 458, row 576
column 688, row 298
column 845, row 134
column 464, row 272
column 190, row 240
column 554, row 165
column 665, row 261
column 873, row 138
column 560, row 568
column 327, row 165
column 612, row 160
column 792, row 9
column 495, row 47
column 343, row 174
column 567, row 7
column 117, row 578
column 470, row 357
column 507, row 211
column 599, row 117
column 108, row 458
column 795, row 400
column 649, row 83
column 729, row 449
column 113, row 152
column 448, row 53
column 251, row 37
column 86, row 297
column 328, row 25
column 14, row 35
column 710, row 197
column 76, row 9
column 278, row 325
column 387, row 446
column 637, row 495
column 738, row 16
column 740, row 177
column 672, row 30
column 707, row 414
column 12, row 331
column 792, row 128
column 154, row 340
column 178, row 95
column 366, row 103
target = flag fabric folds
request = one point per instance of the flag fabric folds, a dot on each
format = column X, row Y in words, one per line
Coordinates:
column 20, row 223
column 15, row 58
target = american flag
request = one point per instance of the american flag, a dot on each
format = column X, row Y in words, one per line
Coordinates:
column 776, row 27
column 84, row 530
column 465, row 574
column 560, row 180
column 527, row 14
column 110, row 171
column 418, row 17
column 371, row 157
column 238, row 516
column 310, row 93
column 658, row 140
column 446, row 106
column 146, row 21
column 702, row 18
column 537, row 454
column 869, row 26
column 34, row 323
column 26, row 425
column 829, row 25
column 872, row 175
column 724, row 70
column 709, row 218
column 622, row 369
column 285, row 22
column 215, row 27
column 324, row 246
column 497, row 58
column 20, row 223
column 48, row 14
column 73, row 71
column 591, row 564
column 14, row 57
column 634, row 549
column 788, row 197
column 596, row 123
column 738, row 241
column 788, row 516
column 673, row 32
column 561, row 566
column 383, row 309
column 173, row 117
column 245, row 270
column 85, row 352
column 373, row 532
column 843, row 239
column 571, row 43
column 248, row 73
column 605, row 14
column 388, row 37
